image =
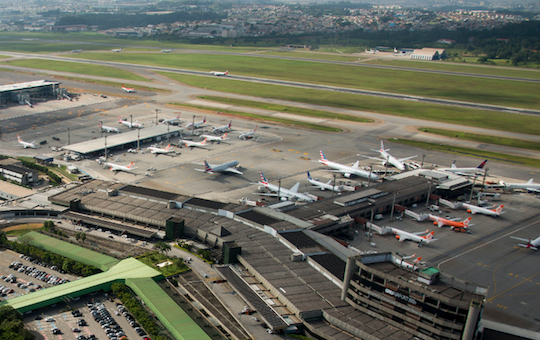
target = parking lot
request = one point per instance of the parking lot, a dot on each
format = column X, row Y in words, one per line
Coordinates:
column 61, row 320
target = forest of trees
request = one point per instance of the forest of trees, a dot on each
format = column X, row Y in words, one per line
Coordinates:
column 12, row 326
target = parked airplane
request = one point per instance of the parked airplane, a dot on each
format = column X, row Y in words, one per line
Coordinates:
column 116, row 167
column 217, row 168
column 388, row 158
column 248, row 134
column 465, row 171
column 217, row 73
column 403, row 235
column 283, row 193
column 321, row 185
column 157, row 151
column 412, row 266
column 212, row 138
column 221, row 129
column 26, row 144
column 128, row 89
column 117, row 50
column 440, row 222
column 196, row 125
column 167, row 51
column 534, row 244
column 372, row 51
column 129, row 124
column 77, row 51
column 192, row 144
column 473, row 209
column 172, row 121
column 108, row 128
column 530, row 186
column 347, row 171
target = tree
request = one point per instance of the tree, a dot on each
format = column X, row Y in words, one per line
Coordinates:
column 83, row 237
column 483, row 59
column 77, row 236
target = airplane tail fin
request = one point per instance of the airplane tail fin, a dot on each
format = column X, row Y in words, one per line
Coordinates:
column 356, row 165
column 230, row 122
column 418, row 259
column 308, row 175
column 207, row 167
column 119, row 119
column 263, row 178
column 227, row 72
column 530, row 181
column 323, row 157
column 466, row 222
column 453, row 166
column 204, row 142
column 481, row 166
column 382, row 146
column 130, row 165
column 255, row 128
column 429, row 236
column 224, row 135
column 99, row 123
column 178, row 115
column 204, row 120
column 168, row 147
column 499, row 209
column 18, row 138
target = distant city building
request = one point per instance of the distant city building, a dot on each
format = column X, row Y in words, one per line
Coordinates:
column 19, row 174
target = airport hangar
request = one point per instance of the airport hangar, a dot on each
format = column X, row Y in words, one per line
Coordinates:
column 295, row 274
column 31, row 92
column 120, row 141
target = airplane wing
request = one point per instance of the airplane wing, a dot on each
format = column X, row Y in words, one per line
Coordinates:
column 403, row 237
column 421, row 232
column 520, row 239
column 233, row 170
column 406, row 158
column 375, row 158
column 295, row 187
column 440, row 224
column 533, row 190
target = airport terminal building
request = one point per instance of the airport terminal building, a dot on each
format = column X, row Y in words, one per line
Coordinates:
column 31, row 92
column 287, row 267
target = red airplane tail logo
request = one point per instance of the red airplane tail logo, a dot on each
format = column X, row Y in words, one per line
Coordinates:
column 263, row 179
column 168, row 147
column 227, row 72
column 224, row 136
column 499, row 209
column 203, row 142
column 19, row 138
column 429, row 236
column 207, row 167
column 323, row 157
column 130, row 165
column 466, row 222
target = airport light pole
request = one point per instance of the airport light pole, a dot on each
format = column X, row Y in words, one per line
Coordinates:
column 370, row 224
column 423, row 156
column 369, row 177
column 69, row 136
column 167, row 133
column 334, row 185
column 193, row 126
column 279, row 188
column 393, row 205
column 138, row 139
column 105, row 147
column 429, row 192
column 131, row 121
column 157, row 121
column 472, row 189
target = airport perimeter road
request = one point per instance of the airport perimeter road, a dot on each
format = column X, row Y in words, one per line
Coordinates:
column 289, row 83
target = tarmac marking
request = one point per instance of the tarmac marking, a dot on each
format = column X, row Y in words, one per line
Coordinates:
column 514, row 286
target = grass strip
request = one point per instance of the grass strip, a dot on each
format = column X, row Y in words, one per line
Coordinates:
column 453, row 87
column 263, row 118
column 287, row 109
column 311, row 55
column 477, row 137
column 500, row 157
column 81, row 68
column 113, row 84
column 460, row 67
column 440, row 113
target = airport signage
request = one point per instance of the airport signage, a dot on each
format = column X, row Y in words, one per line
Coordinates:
column 400, row 296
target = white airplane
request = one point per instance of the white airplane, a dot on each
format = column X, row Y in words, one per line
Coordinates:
column 108, row 128
column 530, row 244
column 225, row 167
column 441, row 222
column 221, row 129
column 26, row 144
column 129, row 124
column 372, row 51
column 157, row 151
column 191, row 144
column 530, row 186
column 167, row 51
column 403, row 235
column 196, row 125
column 291, row 193
column 413, row 266
column 321, row 185
column 172, row 121
column 347, row 171
column 248, row 134
column 465, row 171
column 388, row 158
column 117, row 50
column 473, row 209
column 116, row 167
column 217, row 73
column 128, row 89
column 217, row 139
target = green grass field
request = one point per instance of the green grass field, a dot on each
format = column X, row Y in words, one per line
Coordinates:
column 81, row 68
column 112, row 83
column 460, row 67
column 287, row 109
column 311, row 55
column 43, row 47
column 500, row 157
column 263, row 118
column 470, row 89
column 497, row 140
column 440, row 113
